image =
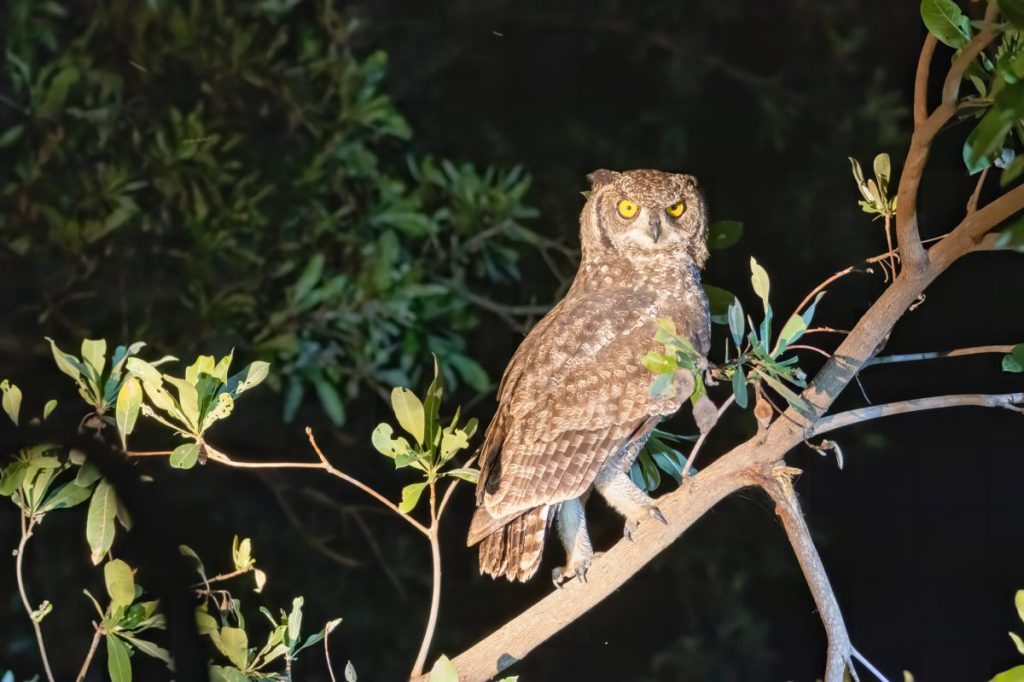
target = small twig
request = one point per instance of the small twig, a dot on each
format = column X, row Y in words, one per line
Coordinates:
column 959, row 352
column 324, row 465
column 703, row 437
column 327, row 653
column 801, row 346
column 26, row 533
column 204, row 586
column 451, row 487
column 315, row 543
column 92, row 651
column 972, row 202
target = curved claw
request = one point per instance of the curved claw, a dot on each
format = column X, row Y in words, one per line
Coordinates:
column 656, row 513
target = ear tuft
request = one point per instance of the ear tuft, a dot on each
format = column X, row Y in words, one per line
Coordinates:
column 601, row 177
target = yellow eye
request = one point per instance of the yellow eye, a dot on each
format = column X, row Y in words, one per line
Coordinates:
column 627, row 208
column 676, row 210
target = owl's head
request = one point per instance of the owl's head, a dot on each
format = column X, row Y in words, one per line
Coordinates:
column 644, row 215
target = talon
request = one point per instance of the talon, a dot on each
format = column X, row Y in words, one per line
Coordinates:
column 656, row 513
column 556, row 576
column 581, row 575
column 627, row 531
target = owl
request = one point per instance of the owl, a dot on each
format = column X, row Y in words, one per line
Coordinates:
column 574, row 407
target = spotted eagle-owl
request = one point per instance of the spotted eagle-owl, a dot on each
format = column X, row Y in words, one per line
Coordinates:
column 574, row 407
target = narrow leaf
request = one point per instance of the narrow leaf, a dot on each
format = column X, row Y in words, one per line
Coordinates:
column 409, row 412
column 129, row 401
column 119, row 665
column 99, row 524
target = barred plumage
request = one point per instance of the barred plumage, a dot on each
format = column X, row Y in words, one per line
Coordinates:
column 574, row 399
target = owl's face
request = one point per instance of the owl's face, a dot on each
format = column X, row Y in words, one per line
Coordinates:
column 645, row 214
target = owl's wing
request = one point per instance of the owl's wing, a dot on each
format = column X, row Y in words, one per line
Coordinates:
column 573, row 395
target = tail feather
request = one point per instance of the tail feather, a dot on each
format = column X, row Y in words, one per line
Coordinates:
column 515, row 549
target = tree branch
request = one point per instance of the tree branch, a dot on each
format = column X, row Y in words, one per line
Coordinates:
column 957, row 353
column 924, row 63
column 778, row 484
column 1009, row 401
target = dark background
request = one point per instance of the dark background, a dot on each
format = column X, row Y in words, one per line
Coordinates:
column 763, row 102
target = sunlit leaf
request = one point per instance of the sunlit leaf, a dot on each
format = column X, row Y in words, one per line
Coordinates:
column 759, row 279
column 946, row 21
column 410, row 496
column 444, row 671
column 185, row 456
column 409, row 412
column 11, row 400
column 129, row 401
column 120, row 582
column 99, row 524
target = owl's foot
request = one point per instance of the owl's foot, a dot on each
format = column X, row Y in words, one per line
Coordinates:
column 576, row 567
column 633, row 524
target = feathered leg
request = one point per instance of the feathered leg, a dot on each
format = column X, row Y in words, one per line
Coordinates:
column 572, row 529
column 618, row 489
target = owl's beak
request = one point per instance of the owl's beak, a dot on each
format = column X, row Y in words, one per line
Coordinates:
column 655, row 229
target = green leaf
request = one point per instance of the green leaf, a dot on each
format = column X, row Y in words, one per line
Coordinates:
column 223, row 673
column 759, row 279
column 470, row 371
column 188, row 400
column 410, row 496
column 945, row 20
column 11, row 400
column 1012, row 237
column 736, row 323
column 120, row 583
column 99, row 524
column 724, row 233
column 466, row 474
column 739, row 387
column 1017, row 642
column 659, row 363
column 1012, row 171
column 1015, row 674
column 249, row 377
column 151, row 649
column 718, row 303
column 1011, row 364
column 443, row 671
column 1013, row 10
column 185, row 456
column 87, row 474
column 330, row 401
column 234, row 644
column 48, row 408
column 129, row 401
column 1018, row 601
column 385, row 442
column 119, row 665
column 295, row 620
column 68, row 495
column 94, row 352
column 409, row 412
column 432, row 405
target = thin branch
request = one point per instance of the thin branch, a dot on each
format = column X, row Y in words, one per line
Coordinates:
column 921, row 80
column 703, row 437
column 324, row 465
column 972, row 202
column 26, row 533
column 92, row 652
column 778, row 484
column 435, row 592
column 957, row 353
column 1009, row 401
column 451, row 487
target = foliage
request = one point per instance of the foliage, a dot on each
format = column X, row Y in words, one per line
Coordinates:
column 875, row 190
column 1016, row 673
column 245, row 169
column 433, row 446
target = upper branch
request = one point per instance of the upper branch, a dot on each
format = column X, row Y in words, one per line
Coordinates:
column 908, row 236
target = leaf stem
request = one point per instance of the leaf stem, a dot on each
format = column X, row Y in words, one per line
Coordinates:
column 26, row 533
